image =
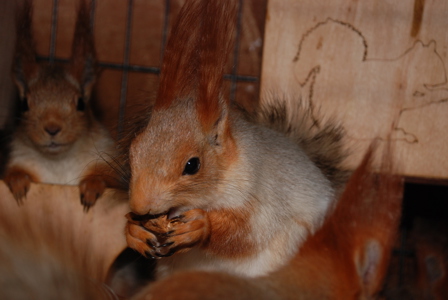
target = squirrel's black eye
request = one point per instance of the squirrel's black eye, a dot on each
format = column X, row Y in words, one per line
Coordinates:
column 192, row 166
column 24, row 105
column 80, row 106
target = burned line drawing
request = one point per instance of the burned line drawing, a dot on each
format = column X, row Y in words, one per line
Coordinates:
column 407, row 83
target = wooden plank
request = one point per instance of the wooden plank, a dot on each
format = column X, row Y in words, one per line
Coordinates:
column 375, row 65
column 97, row 234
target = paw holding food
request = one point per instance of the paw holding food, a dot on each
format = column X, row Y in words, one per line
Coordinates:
column 163, row 235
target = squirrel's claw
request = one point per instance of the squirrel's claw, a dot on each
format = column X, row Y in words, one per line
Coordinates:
column 162, row 237
column 19, row 185
column 90, row 190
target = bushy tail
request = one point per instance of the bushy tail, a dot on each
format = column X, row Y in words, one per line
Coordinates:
column 368, row 215
column 323, row 143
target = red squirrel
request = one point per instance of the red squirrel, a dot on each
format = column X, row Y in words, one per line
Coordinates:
column 347, row 258
column 211, row 189
column 57, row 139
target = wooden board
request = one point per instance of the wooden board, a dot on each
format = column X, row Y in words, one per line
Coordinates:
column 375, row 65
column 98, row 234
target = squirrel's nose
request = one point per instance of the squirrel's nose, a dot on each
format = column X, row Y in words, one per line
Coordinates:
column 52, row 129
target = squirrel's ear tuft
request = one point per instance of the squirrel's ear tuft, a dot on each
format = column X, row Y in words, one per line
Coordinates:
column 25, row 66
column 179, row 72
column 83, row 61
column 218, row 33
column 194, row 60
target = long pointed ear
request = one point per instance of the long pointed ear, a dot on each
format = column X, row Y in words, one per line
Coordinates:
column 216, row 123
column 179, row 72
column 218, row 32
column 371, row 206
column 25, row 66
column 83, row 61
column 194, row 60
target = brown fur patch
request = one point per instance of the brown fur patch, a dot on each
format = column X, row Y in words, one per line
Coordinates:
column 230, row 235
column 368, row 210
column 18, row 180
column 217, row 33
column 106, row 173
column 230, row 152
column 178, row 77
column 326, row 265
column 194, row 60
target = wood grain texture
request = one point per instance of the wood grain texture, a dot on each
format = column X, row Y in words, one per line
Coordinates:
column 376, row 66
column 98, row 234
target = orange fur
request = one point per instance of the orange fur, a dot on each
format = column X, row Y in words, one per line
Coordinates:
column 216, row 32
column 163, row 237
column 345, row 259
column 369, row 210
column 58, row 139
column 229, row 234
column 207, row 47
column 223, row 232
column 174, row 84
column 95, row 180
column 18, row 180
column 253, row 195
column 106, row 173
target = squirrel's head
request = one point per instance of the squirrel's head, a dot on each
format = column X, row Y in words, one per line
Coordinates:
column 180, row 158
column 54, row 99
column 53, row 111
column 175, row 164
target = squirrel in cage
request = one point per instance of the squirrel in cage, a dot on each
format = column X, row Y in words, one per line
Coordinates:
column 57, row 139
column 213, row 189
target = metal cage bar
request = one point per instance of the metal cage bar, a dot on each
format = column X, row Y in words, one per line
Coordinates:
column 126, row 67
column 124, row 78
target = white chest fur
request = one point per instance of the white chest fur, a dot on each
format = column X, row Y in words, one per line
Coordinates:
column 64, row 168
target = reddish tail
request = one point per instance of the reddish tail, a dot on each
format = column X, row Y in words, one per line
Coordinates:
column 366, row 219
column 346, row 259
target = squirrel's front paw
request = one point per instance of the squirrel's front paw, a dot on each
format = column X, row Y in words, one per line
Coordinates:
column 90, row 190
column 18, row 182
column 162, row 237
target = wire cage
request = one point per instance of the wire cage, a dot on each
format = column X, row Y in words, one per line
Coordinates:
column 130, row 36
